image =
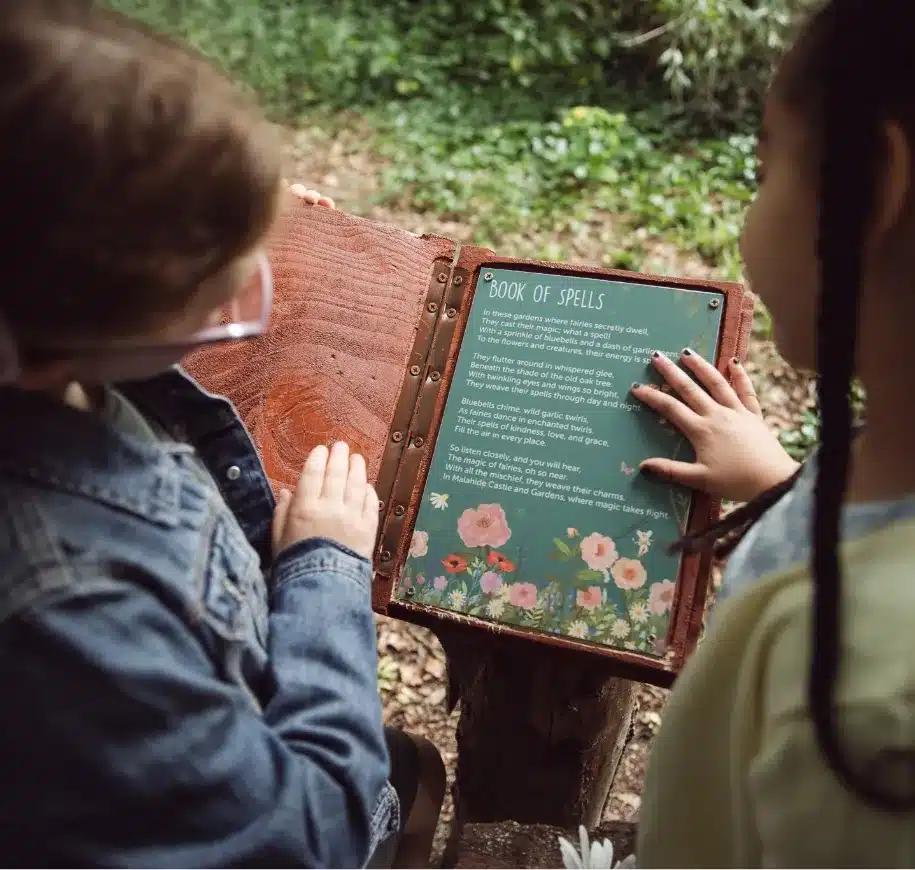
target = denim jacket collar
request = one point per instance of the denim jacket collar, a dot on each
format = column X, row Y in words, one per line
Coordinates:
column 63, row 448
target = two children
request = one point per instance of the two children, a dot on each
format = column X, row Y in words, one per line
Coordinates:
column 189, row 668
column 789, row 740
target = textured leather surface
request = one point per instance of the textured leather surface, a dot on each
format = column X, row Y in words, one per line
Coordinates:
column 349, row 297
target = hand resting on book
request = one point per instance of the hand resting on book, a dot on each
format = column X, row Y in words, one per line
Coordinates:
column 333, row 500
column 737, row 455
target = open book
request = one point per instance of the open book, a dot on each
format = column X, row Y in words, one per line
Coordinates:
column 491, row 399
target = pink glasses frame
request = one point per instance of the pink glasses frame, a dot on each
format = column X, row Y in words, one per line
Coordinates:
column 120, row 360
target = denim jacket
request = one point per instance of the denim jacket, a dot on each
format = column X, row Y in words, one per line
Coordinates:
column 173, row 699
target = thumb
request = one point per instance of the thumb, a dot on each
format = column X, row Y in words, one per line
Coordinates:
column 279, row 517
column 688, row 474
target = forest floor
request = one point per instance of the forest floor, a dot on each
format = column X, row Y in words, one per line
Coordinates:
column 411, row 661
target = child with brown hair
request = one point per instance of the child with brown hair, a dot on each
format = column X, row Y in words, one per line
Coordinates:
column 190, row 673
column 789, row 739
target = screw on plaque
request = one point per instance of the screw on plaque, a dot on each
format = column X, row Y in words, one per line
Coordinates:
column 385, row 555
column 442, row 277
column 414, row 370
column 451, row 312
column 397, row 437
column 418, row 442
column 411, row 592
column 435, row 376
column 458, row 280
column 714, row 303
column 432, row 307
column 399, row 510
column 380, row 505
column 488, row 276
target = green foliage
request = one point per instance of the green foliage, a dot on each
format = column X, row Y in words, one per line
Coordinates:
column 802, row 439
column 510, row 175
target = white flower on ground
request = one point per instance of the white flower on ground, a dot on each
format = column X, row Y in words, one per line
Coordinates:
column 594, row 856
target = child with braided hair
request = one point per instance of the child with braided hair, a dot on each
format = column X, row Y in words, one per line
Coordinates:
column 795, row 719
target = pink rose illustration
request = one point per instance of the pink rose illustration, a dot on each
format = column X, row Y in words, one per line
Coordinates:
column 421, row 579
column 523, row 595
column 406, row 583
column 484, row 527
column 439, row 583
column 419, row 545
column 628, row 573
column 661, row 597
column 589, row 598
column 490, row 583
column 598, row 551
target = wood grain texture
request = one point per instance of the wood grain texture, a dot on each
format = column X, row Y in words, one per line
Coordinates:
column 349, row 294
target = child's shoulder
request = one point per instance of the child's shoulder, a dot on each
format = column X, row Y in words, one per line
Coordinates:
column 877, row 642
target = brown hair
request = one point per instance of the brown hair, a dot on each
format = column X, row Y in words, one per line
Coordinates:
column 131, row 171
column 849, row 73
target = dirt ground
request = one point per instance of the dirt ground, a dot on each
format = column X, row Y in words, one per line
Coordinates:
column 412, row 664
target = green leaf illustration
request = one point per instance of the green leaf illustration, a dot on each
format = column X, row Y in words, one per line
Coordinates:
column 562, row 546
column 589, row 575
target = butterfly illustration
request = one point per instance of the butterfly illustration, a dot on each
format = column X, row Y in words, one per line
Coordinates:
column 439, row 500
column 643, row 539
column 626, row 469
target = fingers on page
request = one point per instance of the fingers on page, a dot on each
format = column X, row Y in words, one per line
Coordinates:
column 686, row 387
column 337, row 472
column 689, row 474
column 354, row 493
column 669, row 407
column 710, row 378
column 311, row 481
column 743, row 387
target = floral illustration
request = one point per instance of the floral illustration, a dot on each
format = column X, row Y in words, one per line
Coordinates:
column 484, row 527
column 628, row 573
column 419, row 545
column 439, row 500
column 598, row 551
column 592, row 587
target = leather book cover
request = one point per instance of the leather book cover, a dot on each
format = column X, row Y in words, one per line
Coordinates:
column 490, row 397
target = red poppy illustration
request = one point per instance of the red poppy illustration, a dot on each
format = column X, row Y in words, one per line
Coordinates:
column 498, row 560
column 454, row 564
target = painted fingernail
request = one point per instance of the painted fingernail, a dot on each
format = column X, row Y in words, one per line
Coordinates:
column 735, row 361
column 636, row 385
column 687, row 352
column 656, row 354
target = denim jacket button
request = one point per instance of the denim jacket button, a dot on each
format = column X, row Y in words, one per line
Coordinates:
column 233, row 473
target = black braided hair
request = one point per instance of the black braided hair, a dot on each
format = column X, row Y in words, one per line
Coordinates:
column 850, row 69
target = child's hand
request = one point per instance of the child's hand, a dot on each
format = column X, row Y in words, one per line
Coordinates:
column 333, row 500
column 311, row 197
column 737, row 455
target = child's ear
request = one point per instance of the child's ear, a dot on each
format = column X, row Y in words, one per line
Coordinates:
column 895, row 182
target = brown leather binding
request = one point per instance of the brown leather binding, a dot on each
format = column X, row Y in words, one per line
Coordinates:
column 362, row 345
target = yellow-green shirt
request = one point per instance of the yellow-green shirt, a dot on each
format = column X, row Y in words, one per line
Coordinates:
column 735, row 777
